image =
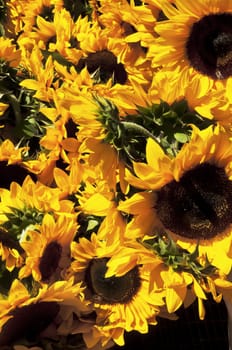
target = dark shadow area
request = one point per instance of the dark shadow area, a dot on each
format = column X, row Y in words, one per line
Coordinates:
column 186, row 333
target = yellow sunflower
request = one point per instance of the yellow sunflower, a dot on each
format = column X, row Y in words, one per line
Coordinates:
column 100, row 156
column 8, row 52
column 22, row 314
column 106, row 57
column 84, row 83
column 55, row 34
column 12, row 165
column 69, row 183
column 47, row 248
column 121, row 303
column 30, row 12
column 43, row 81
column 31, row 198
column 179, row 286
column 196, row 37
column 189, row 195
column 10, row 153
column 59, row 143
column 13, row 19
column 10, row 252
column 66, row 30
column 41, row 168
column 96, row 198
column 127, row 21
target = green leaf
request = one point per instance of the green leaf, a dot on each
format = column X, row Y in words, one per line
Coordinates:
column 181, row 137
column 92, row 224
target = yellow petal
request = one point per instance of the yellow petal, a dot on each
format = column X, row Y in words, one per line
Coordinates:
column 201, row 309
column 97, row 205
column 198, row 290
column 139, row 202
column 154, row 153
column 175, row 298
column 30, row 84
column 17, row 291
column 60, row 177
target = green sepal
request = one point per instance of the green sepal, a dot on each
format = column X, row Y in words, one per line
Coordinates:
column 178, row 258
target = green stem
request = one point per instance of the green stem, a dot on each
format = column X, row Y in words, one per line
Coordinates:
column 16, row 107
column 139, row 129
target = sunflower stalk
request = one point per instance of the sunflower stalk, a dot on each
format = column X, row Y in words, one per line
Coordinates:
column 15, row 104
column 138, row 129
column 3, row 14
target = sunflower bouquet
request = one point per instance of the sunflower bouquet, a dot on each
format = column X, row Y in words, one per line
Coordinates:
column 115, row 167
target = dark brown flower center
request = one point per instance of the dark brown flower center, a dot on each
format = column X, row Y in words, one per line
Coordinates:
column 28, row 322
column 50, row 260
column 112, row 290
column 104, row 65
column 209, row 46
column 199, row 206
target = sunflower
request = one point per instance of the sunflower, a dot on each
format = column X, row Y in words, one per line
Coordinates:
column 99, row 155
column 96, row 203
column 10, row 251
column 180, row 287
column 106, row 57
column 19, row 307
column 96, row 198
column 199, row 179
column 66, row 30
column 83, row 83
column 47, row 248
column 55, row 36
column 43, row 76
column 127, row 21
column 10, row 153
column 58, row 144
column 197, row 39
column 8, row 52
column 41, row 167
column 121, row 303
column 31, row 200
column 69, row 181
column 21, row 209
column 43, row 8
column 12, row 165
column 13, row 18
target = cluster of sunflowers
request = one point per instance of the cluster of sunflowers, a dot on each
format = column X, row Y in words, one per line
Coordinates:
column 115, row 167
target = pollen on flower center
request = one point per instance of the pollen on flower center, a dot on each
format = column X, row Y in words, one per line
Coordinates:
column 112, row 290
column 104, row 63
column 209, row 46
column 50, row 260
column 199, row 206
